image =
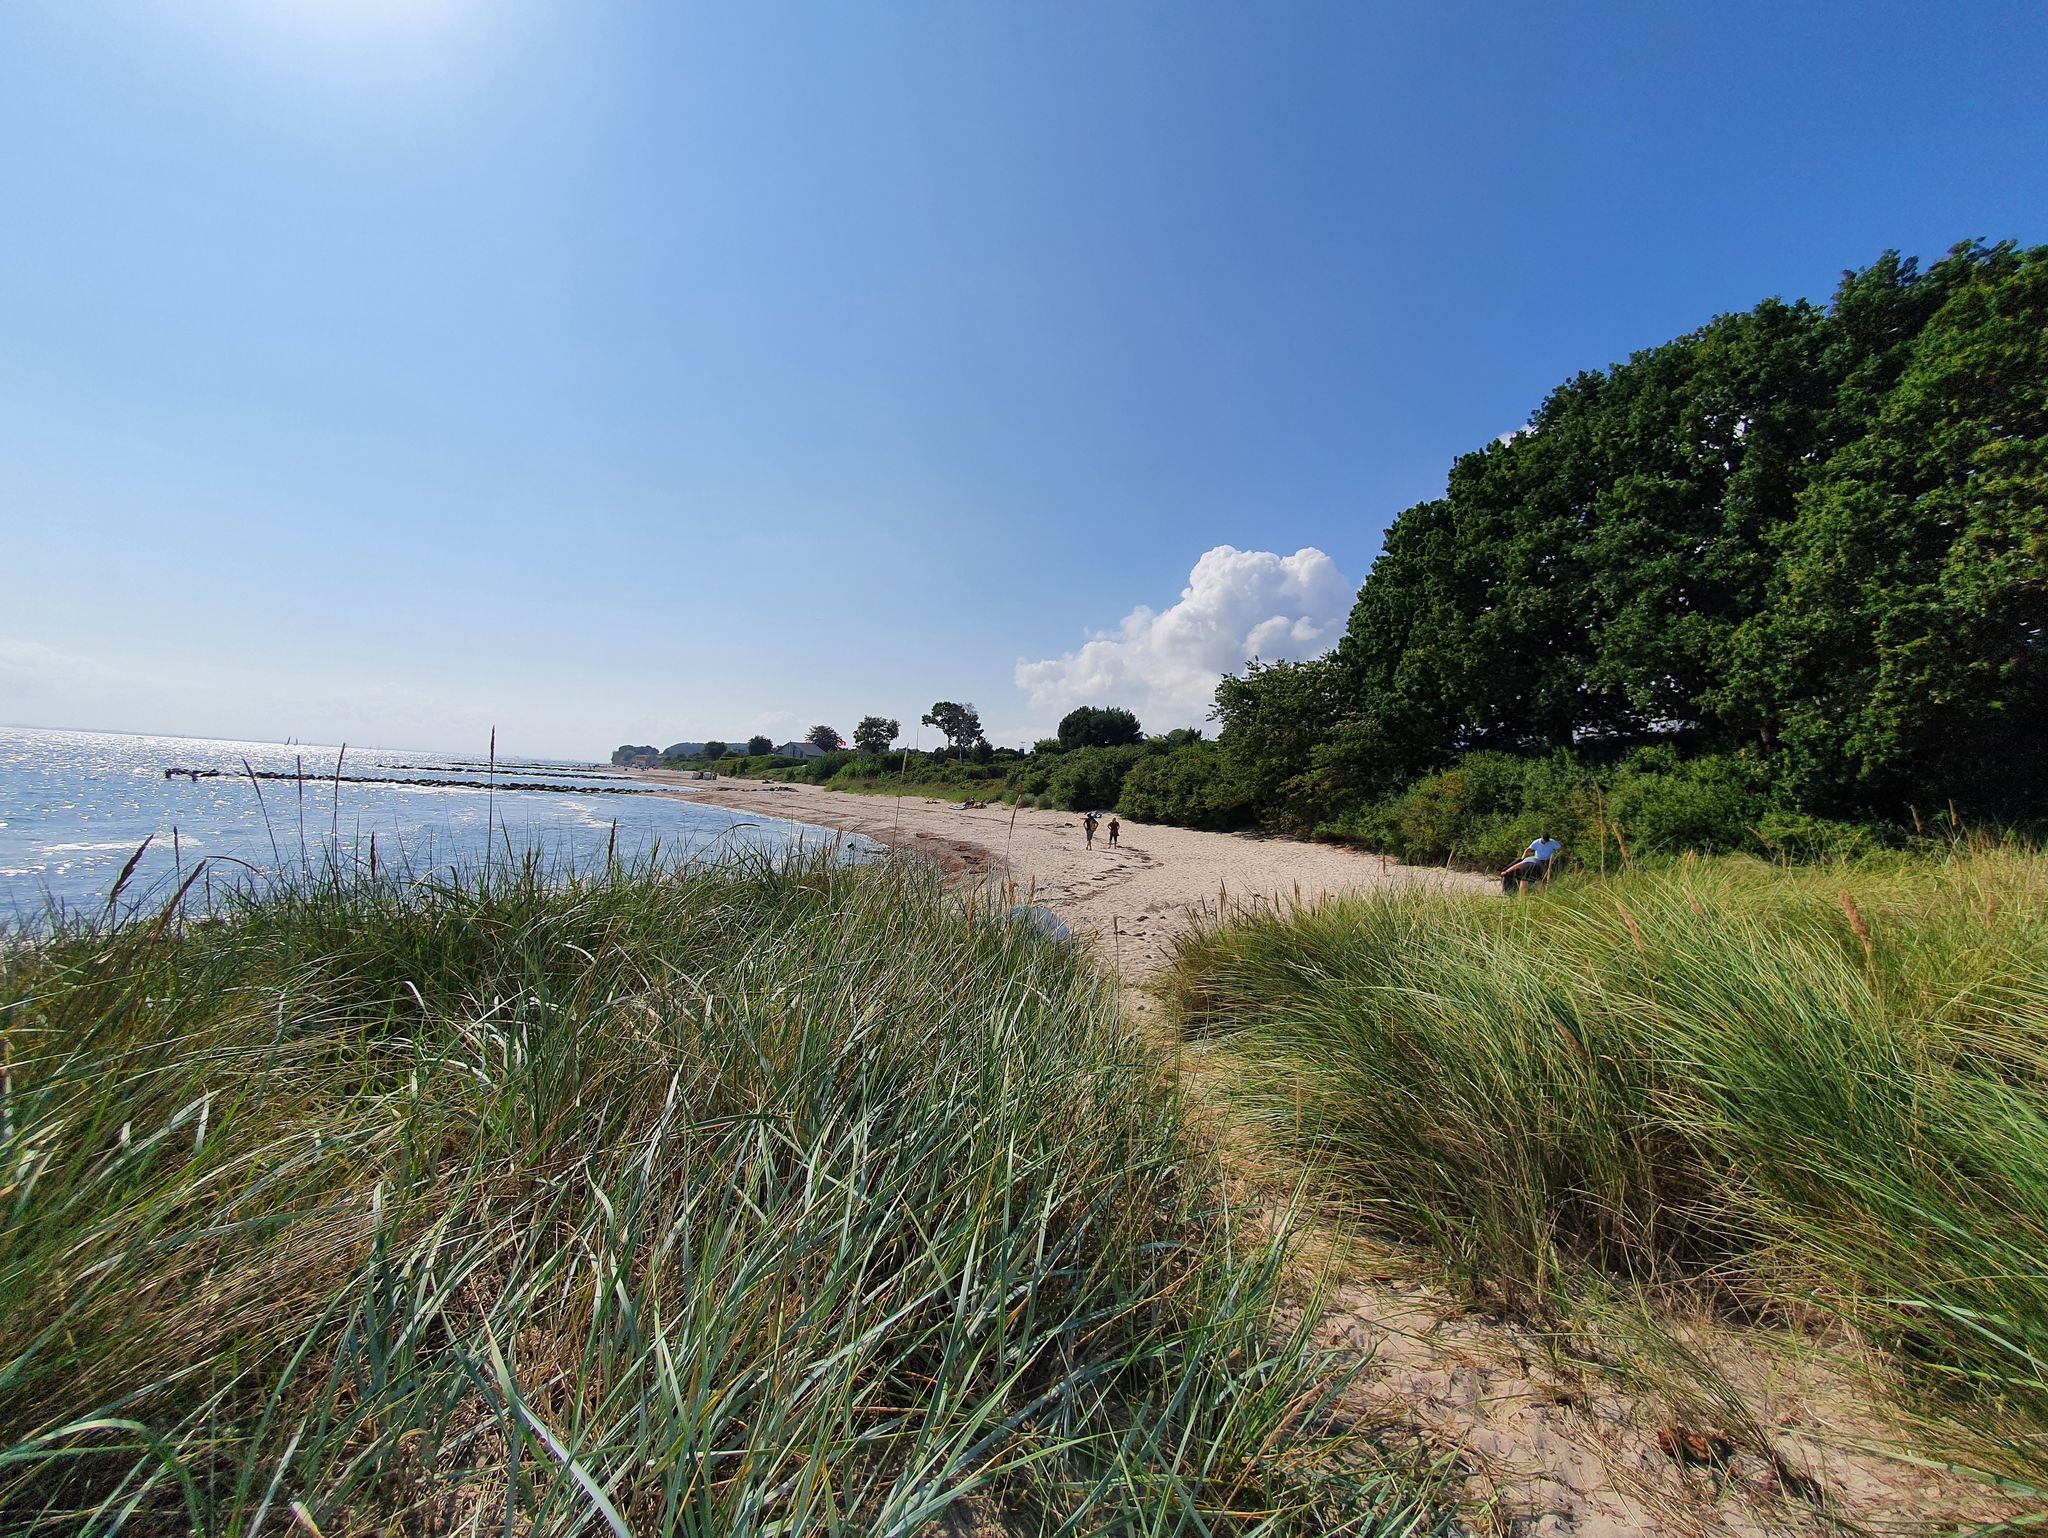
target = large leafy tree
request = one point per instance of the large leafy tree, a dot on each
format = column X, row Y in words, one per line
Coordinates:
column 1811, row 536
column 959, row 723
column 1904, row 653
column 875, row 733
column 1602, row 574
column 757, row 746
column 1098, row 726
column 1583, row 577
column 824, row 738
column 1294, row 751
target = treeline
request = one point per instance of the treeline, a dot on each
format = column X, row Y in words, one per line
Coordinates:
column 681, row 754
column 1776, row 581
column 1087, row 766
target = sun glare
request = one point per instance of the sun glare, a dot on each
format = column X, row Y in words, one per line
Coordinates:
column 341, row 48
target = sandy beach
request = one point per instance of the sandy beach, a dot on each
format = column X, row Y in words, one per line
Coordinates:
column 1131, row 901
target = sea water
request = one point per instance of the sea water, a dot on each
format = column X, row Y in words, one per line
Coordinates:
column 76, row 806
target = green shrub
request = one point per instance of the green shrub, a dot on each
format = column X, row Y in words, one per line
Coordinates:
column 1796, row 836
column 1091, row 778
column 1473, row 814
column 1484, row 810
column 1187, row 786
column 1663, row 805
column 1479, row 813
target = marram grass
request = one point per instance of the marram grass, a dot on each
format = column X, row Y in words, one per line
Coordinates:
column 775, row 1200
column 1781, row 1087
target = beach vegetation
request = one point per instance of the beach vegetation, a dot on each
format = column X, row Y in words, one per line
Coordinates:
column 779, row 1197
column 825, row 739
column 1085, row 779
column 760, row 747
column 1802, row 1093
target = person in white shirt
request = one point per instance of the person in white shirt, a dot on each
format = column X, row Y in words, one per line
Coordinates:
column 1533, row 866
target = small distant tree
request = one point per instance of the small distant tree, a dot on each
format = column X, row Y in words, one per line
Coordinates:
column 1092, row 726
column 758, row 746
column 824, row 739
column 961, row 724
column 714, row 750
column 875, row 733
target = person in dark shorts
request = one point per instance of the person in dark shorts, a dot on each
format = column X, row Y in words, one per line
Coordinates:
column 1088, row 826
column 1115, row 828
column 1535, row 864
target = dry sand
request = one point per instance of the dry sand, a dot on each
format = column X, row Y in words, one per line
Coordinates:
column 1131, row 901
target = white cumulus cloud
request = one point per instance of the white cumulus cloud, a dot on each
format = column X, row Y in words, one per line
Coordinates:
column 1164, row 665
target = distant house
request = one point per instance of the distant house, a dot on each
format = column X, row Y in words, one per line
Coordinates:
column 799, row 750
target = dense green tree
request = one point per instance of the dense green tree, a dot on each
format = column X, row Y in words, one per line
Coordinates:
column 713, row 750
column 960, row 724
column 1904, row 653
column 1407, row 654
column 1098, row 726
column 1583, row 577
column 759, row 746
column 1283, row 724
column 825, row 739
column 1809, row 535
column 875, row 733
column 1293, row 753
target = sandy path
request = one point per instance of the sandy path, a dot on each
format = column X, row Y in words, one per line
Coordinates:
column 1132, row 900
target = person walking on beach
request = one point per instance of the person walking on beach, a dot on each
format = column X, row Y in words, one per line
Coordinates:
column 1115, row 828
column 1533, row 866
column 1088, row 825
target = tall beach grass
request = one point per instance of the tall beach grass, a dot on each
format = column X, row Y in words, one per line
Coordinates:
column 1779, row 1088
column 772, row 1199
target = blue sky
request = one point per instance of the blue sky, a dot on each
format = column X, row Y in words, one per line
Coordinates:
column 390, row 369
